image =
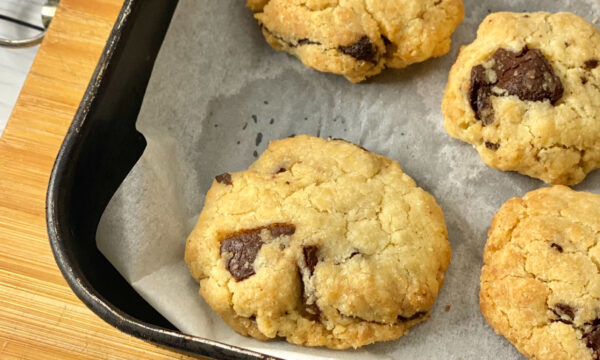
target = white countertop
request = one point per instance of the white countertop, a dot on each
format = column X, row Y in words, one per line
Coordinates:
column 15, row 63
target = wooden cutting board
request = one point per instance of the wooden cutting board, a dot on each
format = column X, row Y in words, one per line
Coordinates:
column 40, row 317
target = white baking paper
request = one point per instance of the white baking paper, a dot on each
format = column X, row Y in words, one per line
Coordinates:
column 219, row 94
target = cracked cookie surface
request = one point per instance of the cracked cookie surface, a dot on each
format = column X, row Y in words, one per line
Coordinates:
column 322, row 243
column 358, row 38
column 540, row 283
column 526, row 95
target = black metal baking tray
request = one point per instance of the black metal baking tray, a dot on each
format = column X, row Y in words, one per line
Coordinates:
column 99, row 150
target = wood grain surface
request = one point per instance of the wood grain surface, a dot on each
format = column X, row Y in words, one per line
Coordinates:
column 40, row 317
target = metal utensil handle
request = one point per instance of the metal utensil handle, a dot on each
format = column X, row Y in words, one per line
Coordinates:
column 48, row 11
column 21, row 43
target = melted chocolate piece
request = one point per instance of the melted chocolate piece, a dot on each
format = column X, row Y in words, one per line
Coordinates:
column 310, row 311
column 302, row 42
column 310, row 257
column 526, row 74
column 363, row 49
column 592, row 340
column 245, row 245
column 492, row 146
column 565, row 313
column 557, row 247
column 281, row 229
column 479, row 96
column 591, row 64
column 224, row 178
column 354, row 253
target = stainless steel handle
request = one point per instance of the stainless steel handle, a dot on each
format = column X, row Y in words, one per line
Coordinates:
column 47, row 13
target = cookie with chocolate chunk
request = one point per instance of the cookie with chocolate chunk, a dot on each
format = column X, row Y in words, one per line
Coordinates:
column 322, row 243
column 526, row 95
column 540, row 283
column 358, row 38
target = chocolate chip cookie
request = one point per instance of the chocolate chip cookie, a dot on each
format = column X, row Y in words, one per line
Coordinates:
column 358, row 38
column 322, row 243
column 526, row 94
column 540, row 284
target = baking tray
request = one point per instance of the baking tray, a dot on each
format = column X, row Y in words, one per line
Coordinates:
column 99, row 150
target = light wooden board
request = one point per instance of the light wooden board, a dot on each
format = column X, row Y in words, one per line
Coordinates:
column 40, row 318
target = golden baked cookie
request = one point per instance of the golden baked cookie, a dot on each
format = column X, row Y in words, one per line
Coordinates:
column 322, row 243
column 540, row 283
column 358, row 38
column 526, row 94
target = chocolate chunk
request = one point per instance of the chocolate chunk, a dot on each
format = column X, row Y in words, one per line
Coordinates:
column 557, row 247
column 492, row 146
column 584, row 80
column 310, row 257
column 307, row 42
column 479, row 96
column 224, row 179
column 526, row 74
column 565, row 313
column 314, row 310
column 591, row 64
column 363, row 49
column 592, row 340
column 310, row 311
column 281, row 170
column 412, row 317
column 281, row 229
column 245, row 245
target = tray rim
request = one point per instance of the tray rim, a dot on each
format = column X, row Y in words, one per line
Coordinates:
column 56, row 225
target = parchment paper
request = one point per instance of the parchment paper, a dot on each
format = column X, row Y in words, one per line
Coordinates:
column 219, row 94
